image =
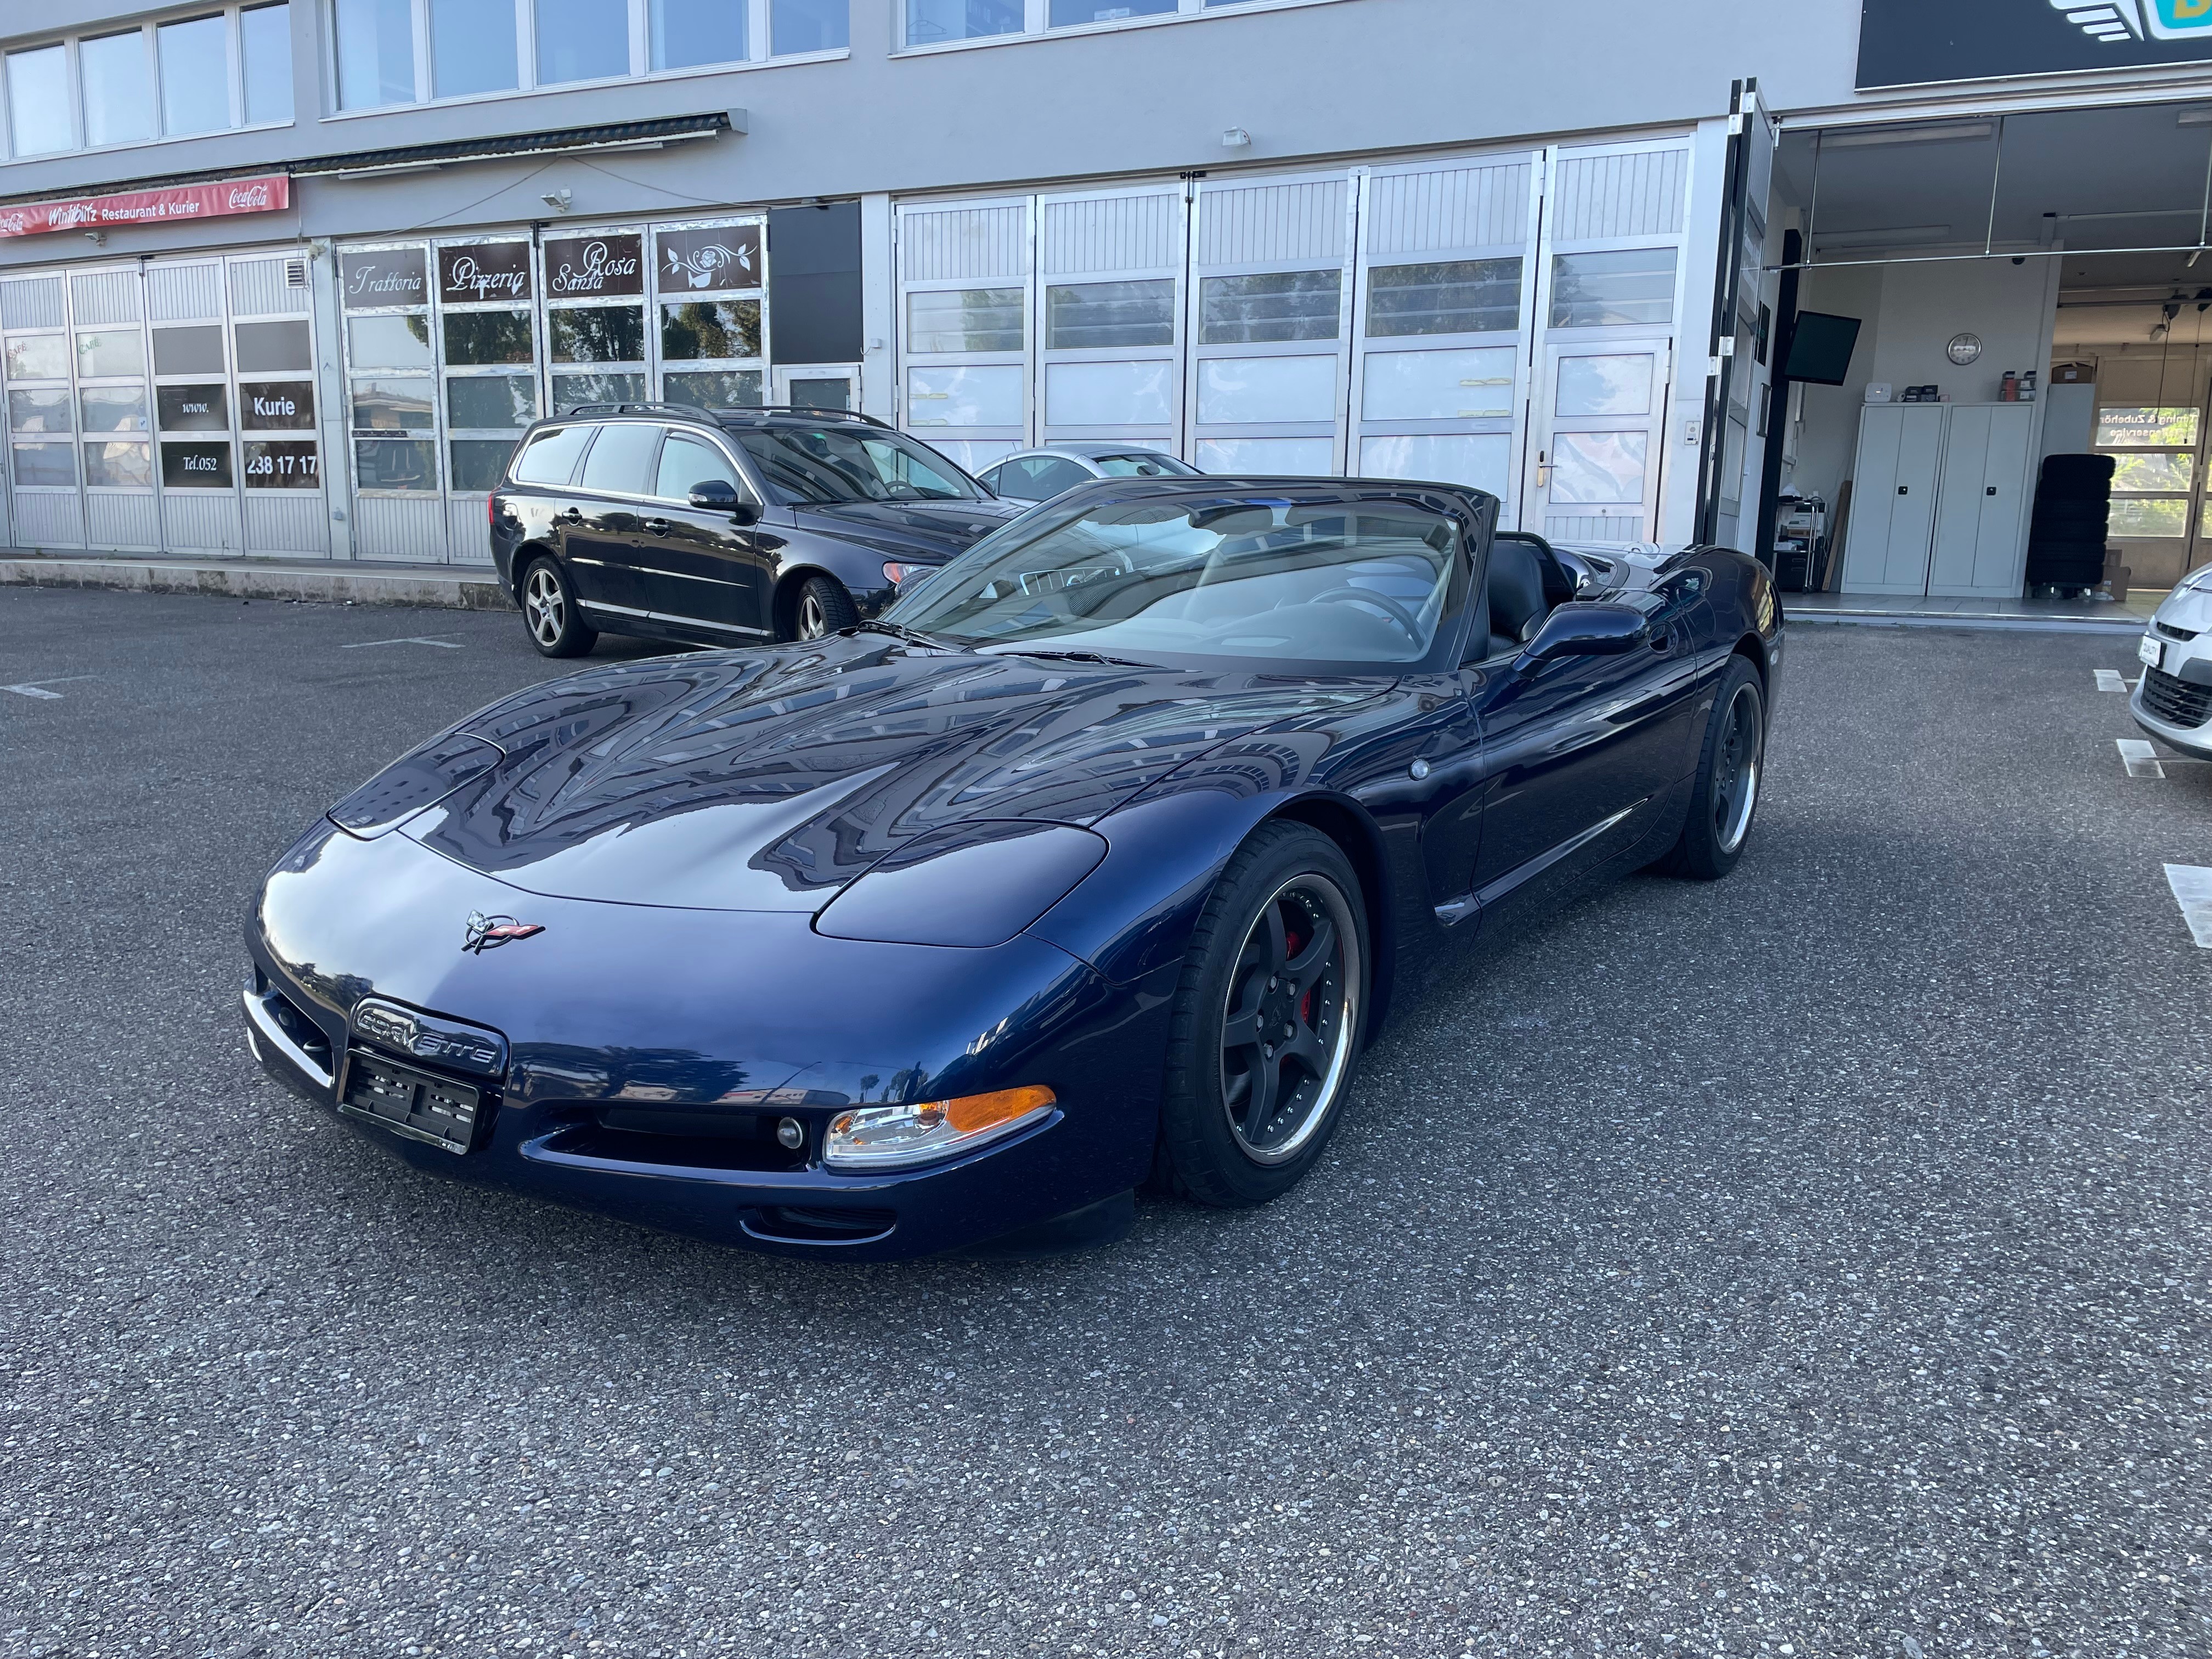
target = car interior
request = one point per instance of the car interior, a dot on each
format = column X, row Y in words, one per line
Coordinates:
column 1526, row 582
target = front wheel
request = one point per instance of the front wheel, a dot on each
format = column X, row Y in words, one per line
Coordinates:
column 823, row 608
column 1731, row 765
column 1268, row 1020
column 557, row 625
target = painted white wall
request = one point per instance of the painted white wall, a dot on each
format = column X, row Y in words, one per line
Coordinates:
column 1828, row 434
column 1925, row 306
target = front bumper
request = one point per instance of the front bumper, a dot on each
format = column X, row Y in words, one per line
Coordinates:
column 2188, row 661
column 727, row 1022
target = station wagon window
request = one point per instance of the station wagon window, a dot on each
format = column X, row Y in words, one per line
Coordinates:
column 552, row 457
column 687, row 462
column 619, row 461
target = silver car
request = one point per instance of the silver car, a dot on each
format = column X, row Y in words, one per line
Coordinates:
column 2173, row 700
column 1038, row 475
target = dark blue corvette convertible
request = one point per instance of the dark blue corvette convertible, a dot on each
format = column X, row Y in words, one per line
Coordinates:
column 1095, row 863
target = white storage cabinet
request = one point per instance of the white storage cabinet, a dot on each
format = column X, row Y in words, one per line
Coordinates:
column 1941, row 503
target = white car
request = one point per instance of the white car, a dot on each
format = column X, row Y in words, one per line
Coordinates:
column 1038, row 475
column 2173, row 701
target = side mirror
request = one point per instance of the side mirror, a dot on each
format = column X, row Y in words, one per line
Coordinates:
column 1585, row 630
column 719, row 496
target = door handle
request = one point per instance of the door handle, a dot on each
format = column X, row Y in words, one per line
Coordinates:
column 573, row 515
column 1543, row 469
column 657, row 526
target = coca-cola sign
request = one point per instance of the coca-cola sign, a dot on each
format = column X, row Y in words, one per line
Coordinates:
column 484, row 271
column 696, row 261
column 383, row 276
column 591, row 267
column 150, row 207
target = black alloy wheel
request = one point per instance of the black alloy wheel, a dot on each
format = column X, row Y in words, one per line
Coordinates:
column 556, row 624
column 1725, row 795
column 1267, row 1021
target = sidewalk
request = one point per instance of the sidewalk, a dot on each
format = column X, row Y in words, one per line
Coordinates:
column 457, row 587
column 2128, row 616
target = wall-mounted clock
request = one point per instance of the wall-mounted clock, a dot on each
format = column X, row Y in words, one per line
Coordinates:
column 1964, row 348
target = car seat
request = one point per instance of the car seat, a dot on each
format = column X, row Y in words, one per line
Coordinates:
column 1517, row 604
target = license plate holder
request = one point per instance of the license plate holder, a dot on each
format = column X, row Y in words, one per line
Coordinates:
column 419, row 1105
column 2152, row 649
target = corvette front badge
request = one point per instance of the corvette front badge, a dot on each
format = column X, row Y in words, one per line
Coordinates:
column 485, row 932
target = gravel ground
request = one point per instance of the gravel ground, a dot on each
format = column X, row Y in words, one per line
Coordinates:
column 1814, row 1264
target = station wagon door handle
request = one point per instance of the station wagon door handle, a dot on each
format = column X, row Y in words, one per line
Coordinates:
column 657, row 526
column 573, row 515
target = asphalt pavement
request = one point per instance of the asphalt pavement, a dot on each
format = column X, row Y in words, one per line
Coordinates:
column 1813, row 1264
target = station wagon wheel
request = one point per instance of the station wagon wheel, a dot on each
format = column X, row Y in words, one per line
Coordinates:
column 556, row 627
column 1267, row 1021
column 823, row 608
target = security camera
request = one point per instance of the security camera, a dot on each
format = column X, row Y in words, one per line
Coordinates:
column 2019, row 259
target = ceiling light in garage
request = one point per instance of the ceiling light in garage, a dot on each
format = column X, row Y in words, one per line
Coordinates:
column 1924, row 133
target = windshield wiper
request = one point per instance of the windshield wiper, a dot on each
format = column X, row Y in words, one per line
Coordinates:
column 1075, row 656
column 899, row 631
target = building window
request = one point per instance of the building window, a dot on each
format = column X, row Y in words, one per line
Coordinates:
column 195, row 75
column 1068, row 13
column 115, row 78
column 264, row 37
column 483, row 48
column 473, row 47
column 796, row 26
column 929, row 22
column 1632, row 288
column 37, row 102
column 686, row 33
column 135, row 86
column 582, row 39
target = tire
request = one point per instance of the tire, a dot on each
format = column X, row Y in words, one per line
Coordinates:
column 822, row 608
column 1218, row 1144
column 1731, row 764
column 551, row 614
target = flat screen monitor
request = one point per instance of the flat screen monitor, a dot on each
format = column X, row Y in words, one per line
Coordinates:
column 1821, row 348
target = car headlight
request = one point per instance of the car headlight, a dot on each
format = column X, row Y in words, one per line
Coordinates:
column 898, row 1137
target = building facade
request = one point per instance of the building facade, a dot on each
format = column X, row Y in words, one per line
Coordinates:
column 285, row 277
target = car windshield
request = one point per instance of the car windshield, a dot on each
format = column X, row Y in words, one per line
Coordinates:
column 1143, row 464
column 846, row 463
column 1321, row 582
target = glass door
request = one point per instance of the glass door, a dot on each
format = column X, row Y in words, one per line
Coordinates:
column 1600, row 412
column 818, row 385
column 2159, row 513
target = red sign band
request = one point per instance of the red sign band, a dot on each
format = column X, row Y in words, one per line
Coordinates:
column 151, row 207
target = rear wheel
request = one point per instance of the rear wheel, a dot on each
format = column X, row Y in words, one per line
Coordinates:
column 823, row 608
column 549, row 611
column 1731, row 766
column 1267, row 1021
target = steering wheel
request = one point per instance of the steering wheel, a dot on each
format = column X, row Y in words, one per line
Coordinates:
column 1396, row 613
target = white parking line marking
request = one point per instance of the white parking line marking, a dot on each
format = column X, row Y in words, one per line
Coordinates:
column 38, row 687
column 2142, row 759
column 411, row 639
column 2192, row 891
column 2108, row 679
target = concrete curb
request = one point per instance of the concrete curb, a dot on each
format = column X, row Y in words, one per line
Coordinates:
column 331, row 584
column 2128, row 628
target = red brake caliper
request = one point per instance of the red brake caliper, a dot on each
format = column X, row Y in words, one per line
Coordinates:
column 1293, row 943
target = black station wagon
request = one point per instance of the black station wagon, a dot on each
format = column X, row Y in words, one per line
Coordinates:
column 721, row 527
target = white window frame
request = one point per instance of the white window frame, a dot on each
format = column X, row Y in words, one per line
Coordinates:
column 1037, row 25
column 527, row 85
column 233, row 59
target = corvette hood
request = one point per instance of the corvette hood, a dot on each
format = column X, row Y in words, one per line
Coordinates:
column 767, row 779
column 930, row 528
